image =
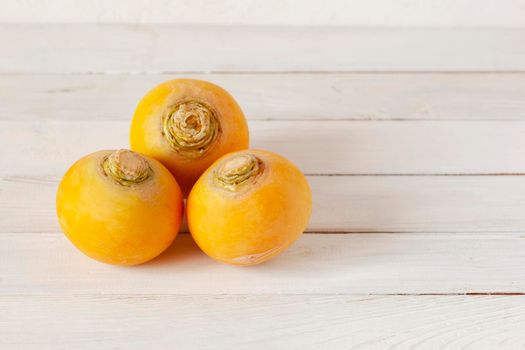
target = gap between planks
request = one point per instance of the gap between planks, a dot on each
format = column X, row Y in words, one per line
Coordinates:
column 241, row 295
column 413, row 174
column 267, row 72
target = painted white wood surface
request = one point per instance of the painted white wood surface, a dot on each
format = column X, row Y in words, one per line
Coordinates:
column 426, row 170
column 242, row 322
column 429, row 204
column 61, row 48
column 42, row 153
column 432, row 13
column 43, row 149
column 284, row 96
column 36, row 264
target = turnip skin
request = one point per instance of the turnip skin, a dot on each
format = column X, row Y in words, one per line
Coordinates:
column 187, row 124
column 116, row 223
column 254, row 220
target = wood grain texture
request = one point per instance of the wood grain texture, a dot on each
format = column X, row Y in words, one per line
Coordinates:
column 329, row 96
column 262, row 322
column 47, row 149
column 40, row 152
column 62, row 48
column 425, row 168
column 35, row 264
column 378, row 13
column 341, row 204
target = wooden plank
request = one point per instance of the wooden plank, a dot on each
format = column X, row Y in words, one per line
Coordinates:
column 361, row 13
column 35, row 264
column 355, row 96
column 47, row 149
column 262, row 322
column 61, row 48
column 341, row 204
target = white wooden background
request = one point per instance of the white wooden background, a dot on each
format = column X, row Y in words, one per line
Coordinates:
column 412, row 140
column 389, row 13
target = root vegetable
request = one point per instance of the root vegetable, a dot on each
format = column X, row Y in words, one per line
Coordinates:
column 187, row 124
column 248, row 207
column 119, row 207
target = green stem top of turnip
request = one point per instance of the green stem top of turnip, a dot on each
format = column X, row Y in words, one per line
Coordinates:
column 238, row 172
column 126, row 167
column 190, row 128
